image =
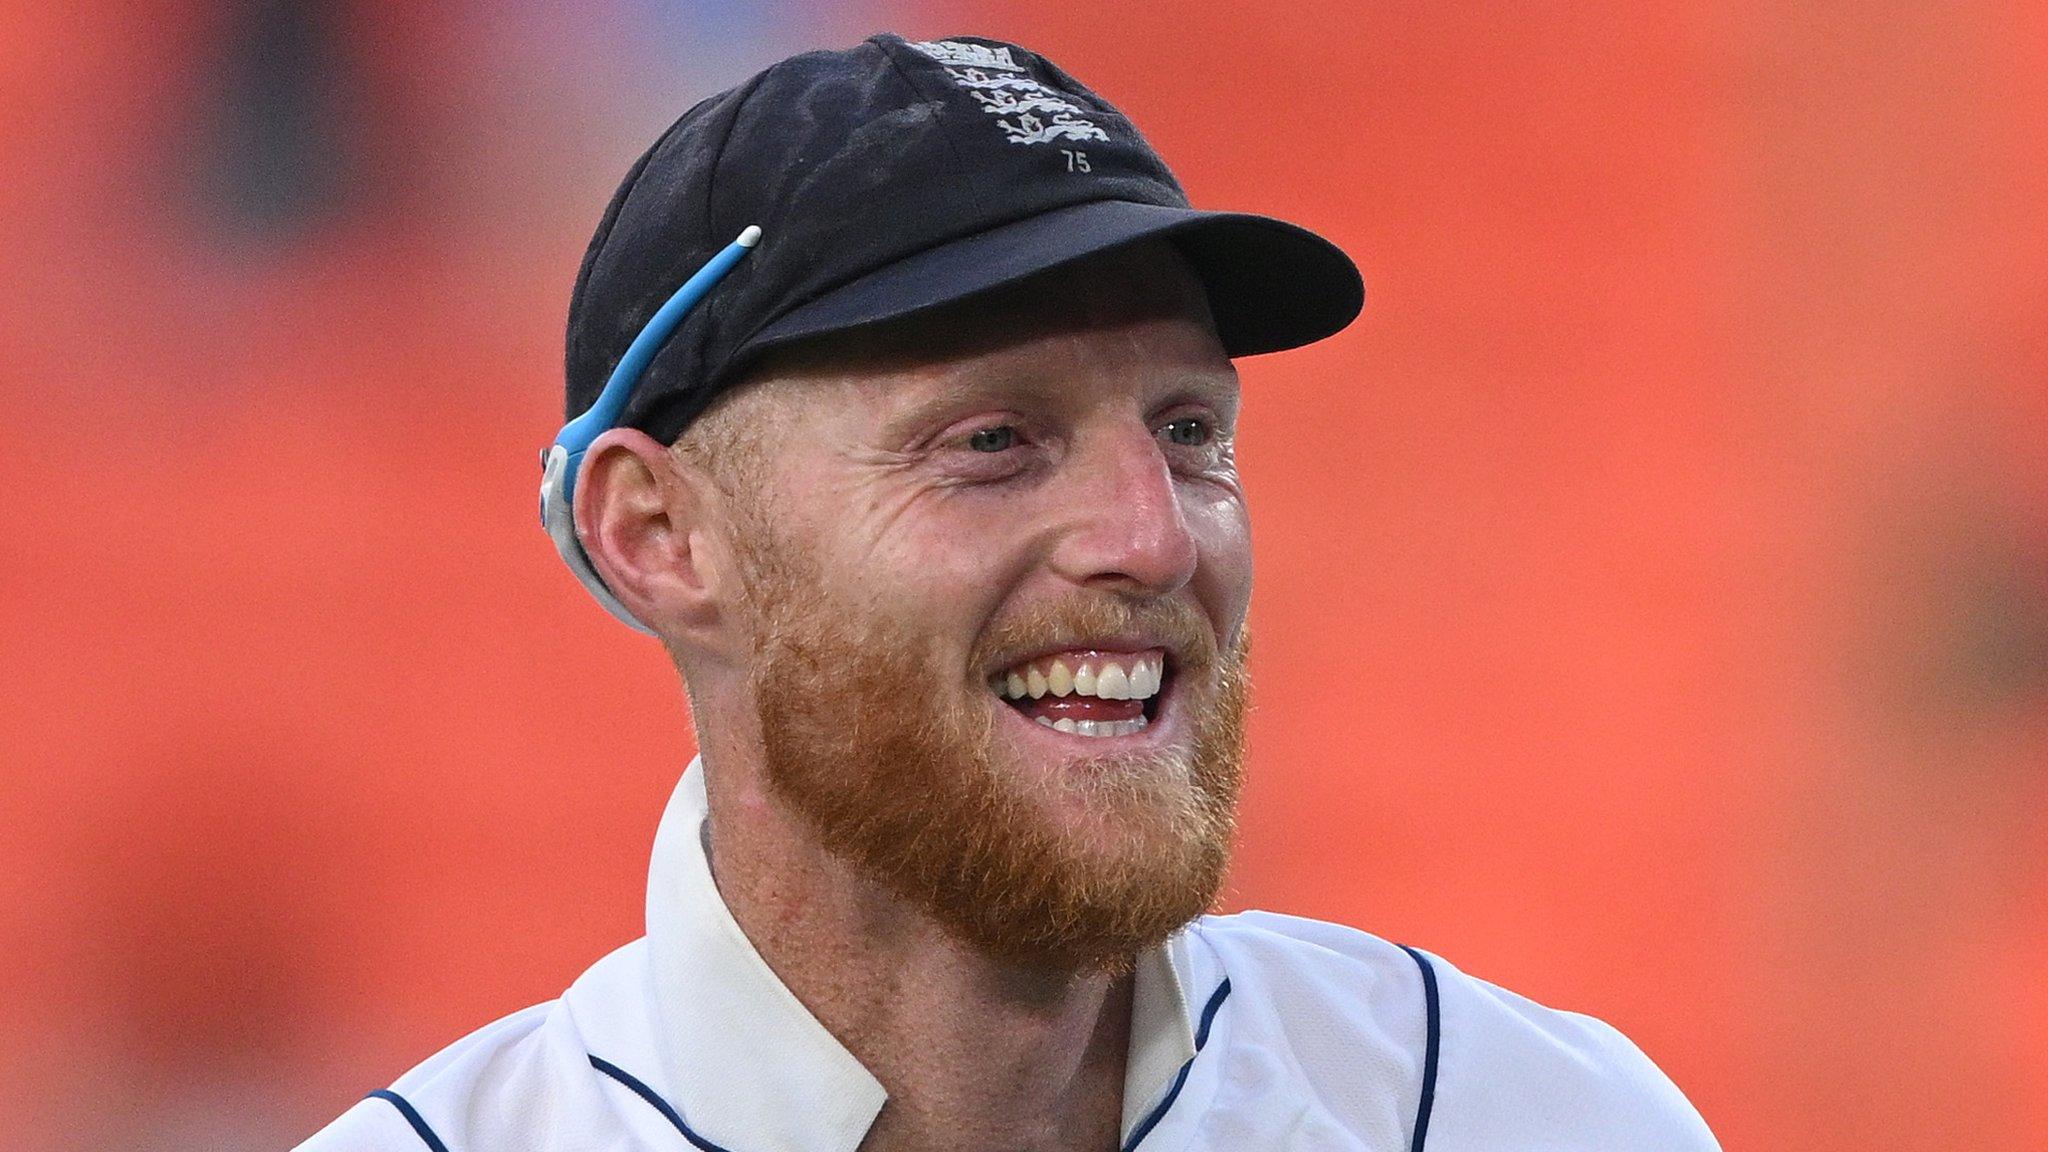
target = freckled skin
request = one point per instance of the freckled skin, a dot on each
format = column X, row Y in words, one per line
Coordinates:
column 948, row 478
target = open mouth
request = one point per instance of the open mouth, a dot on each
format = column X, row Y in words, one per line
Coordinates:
column 1087, row 692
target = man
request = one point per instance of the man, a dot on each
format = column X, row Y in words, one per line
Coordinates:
column 926, row 484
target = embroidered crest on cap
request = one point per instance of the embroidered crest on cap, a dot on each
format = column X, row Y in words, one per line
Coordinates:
column 965, row 55
column 1027, row 111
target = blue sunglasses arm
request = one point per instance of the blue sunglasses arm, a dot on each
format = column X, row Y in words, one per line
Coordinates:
column 561, row 462
column 611, row 403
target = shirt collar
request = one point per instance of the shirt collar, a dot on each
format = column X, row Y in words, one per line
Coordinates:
column 746, row 1064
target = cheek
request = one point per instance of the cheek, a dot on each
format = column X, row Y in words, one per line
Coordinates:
column 1221, row 526
column 933, row 566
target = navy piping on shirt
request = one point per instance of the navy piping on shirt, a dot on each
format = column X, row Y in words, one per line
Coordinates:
column 641, row 1090
column 1433, row 1019
column 412, row 1117
column 1180, row 1078
column 652, row 1097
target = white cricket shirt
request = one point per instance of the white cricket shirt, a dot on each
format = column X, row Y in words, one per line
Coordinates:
column 1253, row 1031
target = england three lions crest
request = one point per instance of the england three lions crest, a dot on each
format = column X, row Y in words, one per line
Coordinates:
column 1005, row 103
column 1029, row 129
column 1027, row 110
column 961, row 54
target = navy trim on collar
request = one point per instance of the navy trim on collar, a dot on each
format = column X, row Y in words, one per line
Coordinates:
column 1434, row 1022
column 1138, row 1134
column 1180, row 1078
column 412, row 1117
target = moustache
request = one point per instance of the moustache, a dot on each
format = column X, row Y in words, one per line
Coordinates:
column 1094, row 621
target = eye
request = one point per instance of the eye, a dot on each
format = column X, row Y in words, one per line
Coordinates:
column 1188, row 431
column 999, row 438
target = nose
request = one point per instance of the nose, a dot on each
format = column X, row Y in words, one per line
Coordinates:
column 1126, row 530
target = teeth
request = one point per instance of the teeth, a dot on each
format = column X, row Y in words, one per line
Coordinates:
column 1141, row 679
column 1112, row 684
column 1059, row 679
column 1144, row 680
column 1096, row 728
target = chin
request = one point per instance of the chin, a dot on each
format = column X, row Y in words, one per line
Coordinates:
column 1072, row 844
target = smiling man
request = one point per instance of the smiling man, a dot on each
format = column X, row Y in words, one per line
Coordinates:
column 926, row 483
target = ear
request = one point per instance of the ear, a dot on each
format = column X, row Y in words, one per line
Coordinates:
column 643, row 523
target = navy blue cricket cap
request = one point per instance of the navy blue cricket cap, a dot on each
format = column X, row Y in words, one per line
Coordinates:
column 895, row 177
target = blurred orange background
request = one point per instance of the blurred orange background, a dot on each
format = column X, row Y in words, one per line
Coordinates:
column 1653, row 589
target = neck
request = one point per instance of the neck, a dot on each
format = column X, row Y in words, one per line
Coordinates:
column 974, row 1051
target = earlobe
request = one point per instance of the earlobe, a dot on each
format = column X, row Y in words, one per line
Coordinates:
column 638, row 519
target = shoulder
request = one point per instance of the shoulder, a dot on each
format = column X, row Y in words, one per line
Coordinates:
column 373, row 1125
column 1479, row 1067
column 525, row 1081
column 423, row 1108
column 1511, row 1064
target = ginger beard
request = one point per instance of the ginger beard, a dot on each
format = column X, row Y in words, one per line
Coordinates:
column 931, row 797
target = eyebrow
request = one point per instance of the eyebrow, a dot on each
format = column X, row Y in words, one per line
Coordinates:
column 1221, row 389
column 1218, row 389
